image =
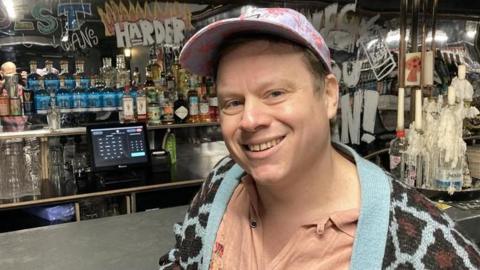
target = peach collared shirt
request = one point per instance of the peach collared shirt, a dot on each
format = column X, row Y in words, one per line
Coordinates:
column 324, row 243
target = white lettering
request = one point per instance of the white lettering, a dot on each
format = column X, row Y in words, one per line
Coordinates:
column 123, row 37
column 178, row 27
column 135, row 34
column 147, row 31
column 168, row 31
column 159, row 32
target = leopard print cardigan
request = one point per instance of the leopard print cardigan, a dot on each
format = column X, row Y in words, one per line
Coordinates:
column 420, row 236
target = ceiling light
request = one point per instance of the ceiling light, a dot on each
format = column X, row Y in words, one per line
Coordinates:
column 10, row 8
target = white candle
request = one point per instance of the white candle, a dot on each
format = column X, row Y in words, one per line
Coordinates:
column 462, row 71
column 418, row 109
column 401, row 109
column 451, row 95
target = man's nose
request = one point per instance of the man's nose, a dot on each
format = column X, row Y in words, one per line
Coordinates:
column 255, row 116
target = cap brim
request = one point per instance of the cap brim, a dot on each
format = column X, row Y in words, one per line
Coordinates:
column 199, row 53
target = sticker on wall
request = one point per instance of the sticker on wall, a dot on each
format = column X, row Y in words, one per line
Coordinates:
column 413, row 69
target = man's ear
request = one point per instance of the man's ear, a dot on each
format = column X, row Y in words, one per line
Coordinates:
column 331, row 93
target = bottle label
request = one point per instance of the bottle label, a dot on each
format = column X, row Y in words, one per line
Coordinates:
column 69, row 83
column 85, row 83
column 152, row 95
column 154, row 114
column 168, row 112
column 118, row 98
column 15, row 106
column 394, row 161
column 109, row 102
column 213, row 101
column 94, row 102
column 204, row 108
column 4, row 106
column 142, row 107
column 42, row 103
column 52, row 84
column 33, row 84
column 181, row 112
column 64, row 102
column 193, row 105
column 80, row 102
column 128, row 112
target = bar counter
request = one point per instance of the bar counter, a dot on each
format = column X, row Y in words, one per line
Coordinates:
column 132, row 241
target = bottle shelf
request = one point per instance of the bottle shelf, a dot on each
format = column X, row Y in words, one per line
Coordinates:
column 82, row 130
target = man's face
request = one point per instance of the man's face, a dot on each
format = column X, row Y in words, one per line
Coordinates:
column 273, row 123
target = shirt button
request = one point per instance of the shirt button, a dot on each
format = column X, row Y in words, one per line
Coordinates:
column 253, row 224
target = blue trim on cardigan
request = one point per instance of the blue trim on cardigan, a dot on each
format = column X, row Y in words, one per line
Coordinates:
column 219, row 205
column 372, row 225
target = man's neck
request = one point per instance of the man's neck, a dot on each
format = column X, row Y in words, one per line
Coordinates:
column 328, row 186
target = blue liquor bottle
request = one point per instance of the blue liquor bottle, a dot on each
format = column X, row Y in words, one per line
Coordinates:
column 42, row 99
column 33, row 79
column 68, row 78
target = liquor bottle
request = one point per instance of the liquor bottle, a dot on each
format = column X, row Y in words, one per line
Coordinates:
column 94, row 97
column 109, row 97
column 122, row 78
column 51, row 80
column 181, row 109
column 107, row 73
column 42, row 99
column 68, row 78
column 141, row 102
column 80, row 97
column 28, row 97
column 135, row 78
column 149, row 87
column 64, row 100
column 127, row 103
column 203, row 108
column 53, row 115
column 15, row 101
column 81, row 75
column 153, row 111
column 212, row 100
column 33, row 78
column 398, row 146
column 167, row 112
column 4, row 103
column 154, row 66
column 193, row 109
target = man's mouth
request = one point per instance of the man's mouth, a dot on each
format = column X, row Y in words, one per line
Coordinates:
column 263, row 146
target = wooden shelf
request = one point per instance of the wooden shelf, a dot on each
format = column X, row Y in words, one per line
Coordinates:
column 109, row 193
column 82, row 130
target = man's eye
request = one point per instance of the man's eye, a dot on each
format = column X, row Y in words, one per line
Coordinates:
column 232, row 104
column 276, row 93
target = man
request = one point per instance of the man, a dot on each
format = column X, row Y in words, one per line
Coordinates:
column 288, row 198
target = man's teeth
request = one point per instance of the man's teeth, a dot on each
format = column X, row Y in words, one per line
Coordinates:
column 263, row 146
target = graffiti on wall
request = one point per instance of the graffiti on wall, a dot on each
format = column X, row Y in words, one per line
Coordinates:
column 152, row 23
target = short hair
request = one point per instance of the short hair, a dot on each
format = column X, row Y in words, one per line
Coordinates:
column 314, row 64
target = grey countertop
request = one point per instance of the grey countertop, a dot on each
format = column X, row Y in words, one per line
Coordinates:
column 133, row 241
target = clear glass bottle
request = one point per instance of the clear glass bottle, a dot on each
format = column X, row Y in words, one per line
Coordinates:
column 398, row 146
column 53, row 116
column 14, row 187
column 15, row 102
column 31, row 153
column 193, row 109
column 42, row 99
column 122, row 78
column 33, row 79
column 107, row 72
column 449, row 174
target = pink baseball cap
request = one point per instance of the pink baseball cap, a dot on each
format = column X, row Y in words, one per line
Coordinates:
column 200, row 51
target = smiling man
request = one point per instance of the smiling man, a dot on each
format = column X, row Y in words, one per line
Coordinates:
column 287, row 197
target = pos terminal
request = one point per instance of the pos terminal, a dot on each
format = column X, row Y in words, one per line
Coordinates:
column 119, row 153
